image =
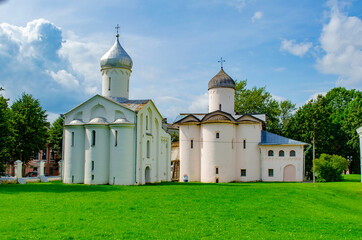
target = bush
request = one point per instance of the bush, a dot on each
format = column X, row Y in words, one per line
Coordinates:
column 329, row 168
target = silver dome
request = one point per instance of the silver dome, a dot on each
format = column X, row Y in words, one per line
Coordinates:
column 221, row 80
column 116, row 57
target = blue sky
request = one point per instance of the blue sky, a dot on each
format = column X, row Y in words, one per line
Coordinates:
column 297, row 49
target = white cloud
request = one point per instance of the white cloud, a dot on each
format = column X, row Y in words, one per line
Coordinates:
column 256, row 16
column 297, row 49
column 341, row 40
column 238, row 4
column 64, row 78
column 200, row 104
column 52, row 117
column 278, row 98
column 315, row 95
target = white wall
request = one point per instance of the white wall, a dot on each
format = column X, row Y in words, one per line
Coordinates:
column 121, row 169
column 99, row 153
column 189, row 157
column 119, row 82
column 73, row 155
column 218, row 152
column 248, row 158
column 159, row 160
column 223, row 96
column 279, row 163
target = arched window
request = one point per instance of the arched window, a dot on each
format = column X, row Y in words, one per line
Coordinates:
column 93, row 138
column 109, row 84
column 220, row 107
column 292, row 153
column 281, row 153
column 270, row 153
column 148, row 149
column 146, row 122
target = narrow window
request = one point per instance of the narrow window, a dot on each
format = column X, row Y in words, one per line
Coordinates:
column 92, row 165
column 220, row 107
column 271, row 172
column 232, row 143
column 146, row 122
column 44, row 154
column 92, row 177
column 270, row 153
column 281, row 153
column 109, row 84
column 217, row 180
column 93, row 138
column 72, row 139
column 148, row 149
column 192, row 143
column 243, row 172
column 244, row 144
column 217, row 170
column 116, row 138
column 72, row 179
column 217, row 135
column 292, row 153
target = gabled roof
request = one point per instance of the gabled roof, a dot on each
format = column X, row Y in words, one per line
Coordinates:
column 217, row 116
column 133, row 105
column 268, row 138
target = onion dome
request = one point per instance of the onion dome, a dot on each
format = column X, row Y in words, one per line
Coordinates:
column 116, row 57
column 221, row 80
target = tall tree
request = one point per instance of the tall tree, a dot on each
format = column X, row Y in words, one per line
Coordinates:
column 56, row 137
column 258, row 100
column 336, row 116
column 30, row 127
column 5, row 132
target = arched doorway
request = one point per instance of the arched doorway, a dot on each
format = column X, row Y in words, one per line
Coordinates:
column 289, row 173
column 147, row 175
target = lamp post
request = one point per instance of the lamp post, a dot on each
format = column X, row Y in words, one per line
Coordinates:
column 314, row 152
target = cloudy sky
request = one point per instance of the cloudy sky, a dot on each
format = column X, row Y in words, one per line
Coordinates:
column 297, row 49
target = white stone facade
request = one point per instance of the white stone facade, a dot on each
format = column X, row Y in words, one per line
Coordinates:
column 110, row 139
column 222, row 146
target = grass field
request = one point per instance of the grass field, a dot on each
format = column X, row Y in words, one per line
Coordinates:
column 183, row 211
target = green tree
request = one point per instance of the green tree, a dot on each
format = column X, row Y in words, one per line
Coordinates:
column 30, row 127
column 258, row 100
column 337, row 116
column 329, row 168
column 56, row 137
column 5, row 133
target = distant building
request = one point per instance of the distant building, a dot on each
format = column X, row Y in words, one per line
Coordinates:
column 51, row 167
column 222, row 146
column 110, row 139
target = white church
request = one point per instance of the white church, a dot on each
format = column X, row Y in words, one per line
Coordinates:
column 222, row 146
column 110, row 139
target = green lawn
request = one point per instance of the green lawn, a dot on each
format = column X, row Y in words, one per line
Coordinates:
column 183, row 211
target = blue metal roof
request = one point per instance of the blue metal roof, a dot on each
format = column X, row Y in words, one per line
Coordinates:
column 268, row 138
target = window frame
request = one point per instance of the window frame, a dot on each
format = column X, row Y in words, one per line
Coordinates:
column 270, row 172
column 281, row 153
column 243, row 172
column 294, row 153
column 272, row 153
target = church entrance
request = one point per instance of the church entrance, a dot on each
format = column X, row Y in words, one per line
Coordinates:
column 147, row 175
column 289, row 173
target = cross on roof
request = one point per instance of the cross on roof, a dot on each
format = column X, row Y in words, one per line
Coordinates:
column 221, row 61
column 117, row 28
